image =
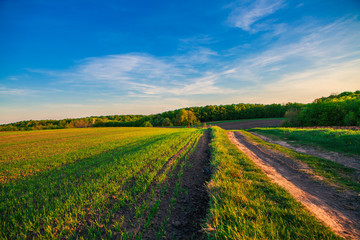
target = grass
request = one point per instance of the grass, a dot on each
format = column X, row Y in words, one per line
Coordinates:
column 332, row 172
column 27, row 153
column 246, row 205
column 151, row 204
column 345, row 141
column 82, row 184
column 72, row 183
column 241, row 120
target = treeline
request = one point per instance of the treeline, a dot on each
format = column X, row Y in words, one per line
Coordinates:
column 336, row 110
column 181, row 117
column 114, row 120
column 196, row 115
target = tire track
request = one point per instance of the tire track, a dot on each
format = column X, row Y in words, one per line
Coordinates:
column 351, row 161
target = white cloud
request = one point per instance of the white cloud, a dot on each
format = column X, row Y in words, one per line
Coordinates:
column 203, row 85
column 16, row 91
column 203, row 71
column 320, row 45
column 124, row 68
column 322, row 60
column 138, row 74
column 245, row 16
column 200, row 55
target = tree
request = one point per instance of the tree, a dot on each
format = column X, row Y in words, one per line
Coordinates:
column 292, row 117
column 350, row 119
column 147, row 124
column 166, row 122
column 186, row 118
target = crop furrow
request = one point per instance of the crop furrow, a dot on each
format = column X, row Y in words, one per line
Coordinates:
column 146, row 201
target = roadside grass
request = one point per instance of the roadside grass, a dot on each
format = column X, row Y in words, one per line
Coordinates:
column 241, row 120
column 338, row 140
column 333, row 172
column 246, row 205
column 77, row 194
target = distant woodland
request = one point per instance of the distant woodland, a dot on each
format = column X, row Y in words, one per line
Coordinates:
column 336, row 110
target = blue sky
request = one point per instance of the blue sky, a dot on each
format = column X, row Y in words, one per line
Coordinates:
column 63, row 59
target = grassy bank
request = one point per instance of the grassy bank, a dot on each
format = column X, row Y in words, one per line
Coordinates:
column 246, row 205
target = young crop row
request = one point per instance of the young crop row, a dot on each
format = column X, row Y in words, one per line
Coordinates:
column 144, row 219
column 245, row 204
column 83, row 193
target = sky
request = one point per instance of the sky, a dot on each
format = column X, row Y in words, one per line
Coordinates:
column 67, row 59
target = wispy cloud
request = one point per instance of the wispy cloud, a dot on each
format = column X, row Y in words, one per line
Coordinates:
column 318, row 46
column 142, row 74
column 203, row 71
column 16, row 91
column 198, row 86
column 244, row 16
column 317, row 60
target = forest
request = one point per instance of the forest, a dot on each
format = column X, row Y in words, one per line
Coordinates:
column 335, row 110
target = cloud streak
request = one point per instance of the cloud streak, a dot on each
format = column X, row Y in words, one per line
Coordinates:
column 16, row 91
column 142, row 74
column 203, row 71
column 245, row 16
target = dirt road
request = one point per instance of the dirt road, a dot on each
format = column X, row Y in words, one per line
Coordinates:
column 348, row 160
column 339, row 210
column 249, row 124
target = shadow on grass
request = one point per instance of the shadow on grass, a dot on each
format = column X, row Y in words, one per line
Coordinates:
column 57, row 191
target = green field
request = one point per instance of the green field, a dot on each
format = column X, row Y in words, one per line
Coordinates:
column 68, row 183
column 109, row 183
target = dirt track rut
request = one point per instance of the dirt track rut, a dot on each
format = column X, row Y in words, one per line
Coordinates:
column 183, row 220
column 351, row 161
column 339, row 210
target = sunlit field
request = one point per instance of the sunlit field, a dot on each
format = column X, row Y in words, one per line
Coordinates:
column 74, row 183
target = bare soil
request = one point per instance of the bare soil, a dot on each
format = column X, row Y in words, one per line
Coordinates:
column 192, row 204
column 249, row 124
column 351, row 161
column 340, row 210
